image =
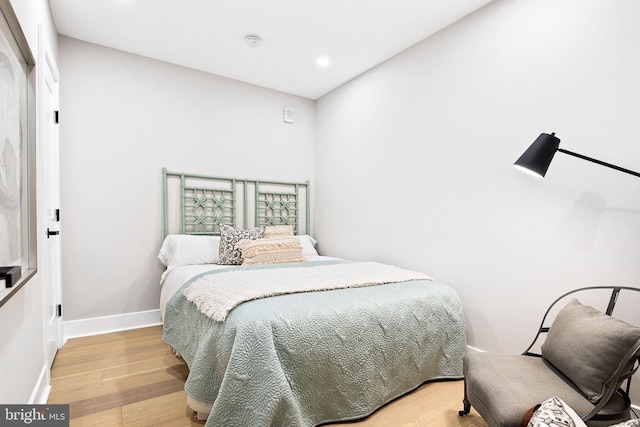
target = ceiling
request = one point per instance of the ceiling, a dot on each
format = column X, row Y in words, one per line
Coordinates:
column 209, row 35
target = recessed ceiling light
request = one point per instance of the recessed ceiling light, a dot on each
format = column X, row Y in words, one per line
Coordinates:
column 323, row 61
column 253, row 41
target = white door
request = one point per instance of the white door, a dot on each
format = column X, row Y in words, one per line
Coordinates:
column 50, row 264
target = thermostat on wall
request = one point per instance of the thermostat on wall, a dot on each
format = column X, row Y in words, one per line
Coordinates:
column 288, row 115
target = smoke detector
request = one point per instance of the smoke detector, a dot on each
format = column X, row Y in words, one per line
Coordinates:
column 253, row 41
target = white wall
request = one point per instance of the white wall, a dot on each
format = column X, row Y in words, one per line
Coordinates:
column 123, row 118
column 427, row 140
column 23, row 369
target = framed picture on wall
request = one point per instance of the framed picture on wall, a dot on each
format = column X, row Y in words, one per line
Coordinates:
column 18, row 260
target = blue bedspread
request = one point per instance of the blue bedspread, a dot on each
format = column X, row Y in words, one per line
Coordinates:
column 309, row 358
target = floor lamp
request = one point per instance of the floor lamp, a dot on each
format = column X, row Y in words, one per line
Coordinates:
column 537, row 158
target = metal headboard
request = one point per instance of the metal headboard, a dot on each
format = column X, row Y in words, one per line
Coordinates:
column 205, row 202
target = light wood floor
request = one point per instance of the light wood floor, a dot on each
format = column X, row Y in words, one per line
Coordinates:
column 131, row 379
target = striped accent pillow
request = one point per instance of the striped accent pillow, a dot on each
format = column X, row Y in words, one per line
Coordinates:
column 278, row 230
column 270, row 250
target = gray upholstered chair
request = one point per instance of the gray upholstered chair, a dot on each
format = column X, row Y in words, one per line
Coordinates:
column 586, row 358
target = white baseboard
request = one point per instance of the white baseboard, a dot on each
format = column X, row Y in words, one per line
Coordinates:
column 41, row 391
column 106, row 324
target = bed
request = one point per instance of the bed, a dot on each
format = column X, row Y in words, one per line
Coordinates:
column 309, row 341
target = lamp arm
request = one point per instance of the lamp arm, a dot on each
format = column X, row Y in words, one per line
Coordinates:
column 600, row 162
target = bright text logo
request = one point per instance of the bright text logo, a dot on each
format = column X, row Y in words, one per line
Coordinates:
column 36, row 415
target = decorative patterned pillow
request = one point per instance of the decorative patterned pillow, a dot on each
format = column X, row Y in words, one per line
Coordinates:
column 229, row 236
column 554, row 412
column 278, row 230
column 587, row 346
column 630, row 423
column 271, row 250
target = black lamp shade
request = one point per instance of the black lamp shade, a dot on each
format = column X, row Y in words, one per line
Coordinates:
column 537, row 158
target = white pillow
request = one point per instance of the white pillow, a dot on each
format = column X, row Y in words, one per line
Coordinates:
column 184, row 249
column 308, row 245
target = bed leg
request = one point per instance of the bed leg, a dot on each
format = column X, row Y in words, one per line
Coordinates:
column 465, row 402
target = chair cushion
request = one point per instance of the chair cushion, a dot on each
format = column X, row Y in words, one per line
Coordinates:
column 587, row 346
column 502, row 387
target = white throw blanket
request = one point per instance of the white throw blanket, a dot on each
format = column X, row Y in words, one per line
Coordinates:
column 217, row 294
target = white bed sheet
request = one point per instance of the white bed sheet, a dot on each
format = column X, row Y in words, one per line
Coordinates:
column 178, row 276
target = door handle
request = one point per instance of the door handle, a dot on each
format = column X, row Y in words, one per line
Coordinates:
column 52, row 233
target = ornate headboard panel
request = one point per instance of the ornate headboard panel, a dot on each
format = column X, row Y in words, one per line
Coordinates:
column 198, row 204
